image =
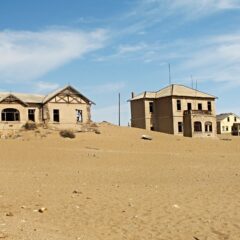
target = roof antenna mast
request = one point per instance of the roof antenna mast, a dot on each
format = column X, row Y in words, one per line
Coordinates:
column 169, row 73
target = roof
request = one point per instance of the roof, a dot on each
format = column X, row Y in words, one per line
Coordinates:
column 26, row 98
column 173, row 90
column 222, row 116
column 36, row 98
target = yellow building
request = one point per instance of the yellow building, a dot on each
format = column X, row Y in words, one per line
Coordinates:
column 65, row 107
column 225, row 122
column 176, row 109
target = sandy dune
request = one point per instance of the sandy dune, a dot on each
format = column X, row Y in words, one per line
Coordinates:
column 117, row 186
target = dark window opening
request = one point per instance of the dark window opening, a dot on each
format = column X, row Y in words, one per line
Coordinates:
column 189, row 106
column 235, row 119
column 208, row 127
column 197, row 127
column 226, row 128
column 152, row 128
column 56, row 117
column 10, row 115
column 31, row 115
column 199, row 106
column 79, row 115
column 228, row 119
column 209, row 104
column 179, row 105
column 151, row 107
column 180, row 127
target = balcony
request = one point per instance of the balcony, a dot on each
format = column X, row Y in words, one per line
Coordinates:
column 197, row 112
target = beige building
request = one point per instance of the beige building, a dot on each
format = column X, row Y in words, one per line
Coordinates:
column 225, row 122
column 65, row 107
column 176, row 109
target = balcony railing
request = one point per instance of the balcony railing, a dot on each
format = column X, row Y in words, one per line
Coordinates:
column 198, row 112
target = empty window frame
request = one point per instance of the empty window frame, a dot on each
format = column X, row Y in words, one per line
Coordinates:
column 189, row 106
column 226, row 128
column 228, row 119
column 179, row 107
column 79, row 115
column 180, row 127
column 31, row 115
column 235, row 119
column 209, row 106
column 151, row 107
column 10, row 115
column 56, row 116
column 197, row 127
column 208, row 127
column 200, row 106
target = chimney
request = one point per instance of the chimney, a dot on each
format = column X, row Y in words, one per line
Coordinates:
column 133, row 95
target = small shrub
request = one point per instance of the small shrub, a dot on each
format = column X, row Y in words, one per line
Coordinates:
column 67, row 134
column 30, row 125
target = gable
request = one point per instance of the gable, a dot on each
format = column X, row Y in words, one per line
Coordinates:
column 68, row 95
column 11, row 99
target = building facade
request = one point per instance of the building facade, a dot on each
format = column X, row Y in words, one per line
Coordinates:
column 225, row 122
column 65, row 107
column 177, row 110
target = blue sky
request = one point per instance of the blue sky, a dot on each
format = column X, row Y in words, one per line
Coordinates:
column 103, row 47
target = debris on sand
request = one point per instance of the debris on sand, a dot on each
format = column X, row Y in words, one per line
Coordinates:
column 9, row 214
column 3, row 235
column 146, row 137
column 42, row 210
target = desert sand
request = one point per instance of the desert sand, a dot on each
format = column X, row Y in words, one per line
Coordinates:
column 114, row 185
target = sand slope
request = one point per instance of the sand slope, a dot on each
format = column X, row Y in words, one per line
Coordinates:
column 117, row 186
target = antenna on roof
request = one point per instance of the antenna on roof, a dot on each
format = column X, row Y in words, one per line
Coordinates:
column 192, row 81
column 169, row 73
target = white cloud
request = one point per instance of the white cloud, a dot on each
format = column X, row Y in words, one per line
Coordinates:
column 105, row 88
column 28, row 55
column 46, row 86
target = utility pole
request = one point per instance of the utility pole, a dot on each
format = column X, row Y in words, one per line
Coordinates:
column 119, row 109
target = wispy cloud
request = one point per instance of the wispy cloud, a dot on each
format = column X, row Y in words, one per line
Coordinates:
column 29, row 55
column 105, row 88
column 46, row 86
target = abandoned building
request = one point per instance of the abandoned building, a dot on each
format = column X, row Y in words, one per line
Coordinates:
column 175, row 109
column 64, row 107
column 225, row 122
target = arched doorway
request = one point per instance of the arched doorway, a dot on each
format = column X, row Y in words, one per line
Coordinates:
column 10, row 115
column 208, row 126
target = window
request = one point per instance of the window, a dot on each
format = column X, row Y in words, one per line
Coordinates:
column 10, row 115
column 189, row 106
column 180, row 127
column 227, row 128
column 228, row 119
column 56, row 117
column 235, row 119
column 208, row 127
column 199, row 106
column 31, row 115
column 152, row 128
column 151, row 107
column 79, row 115
column 179, row 105
column 209, row 106
column 197, row 127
